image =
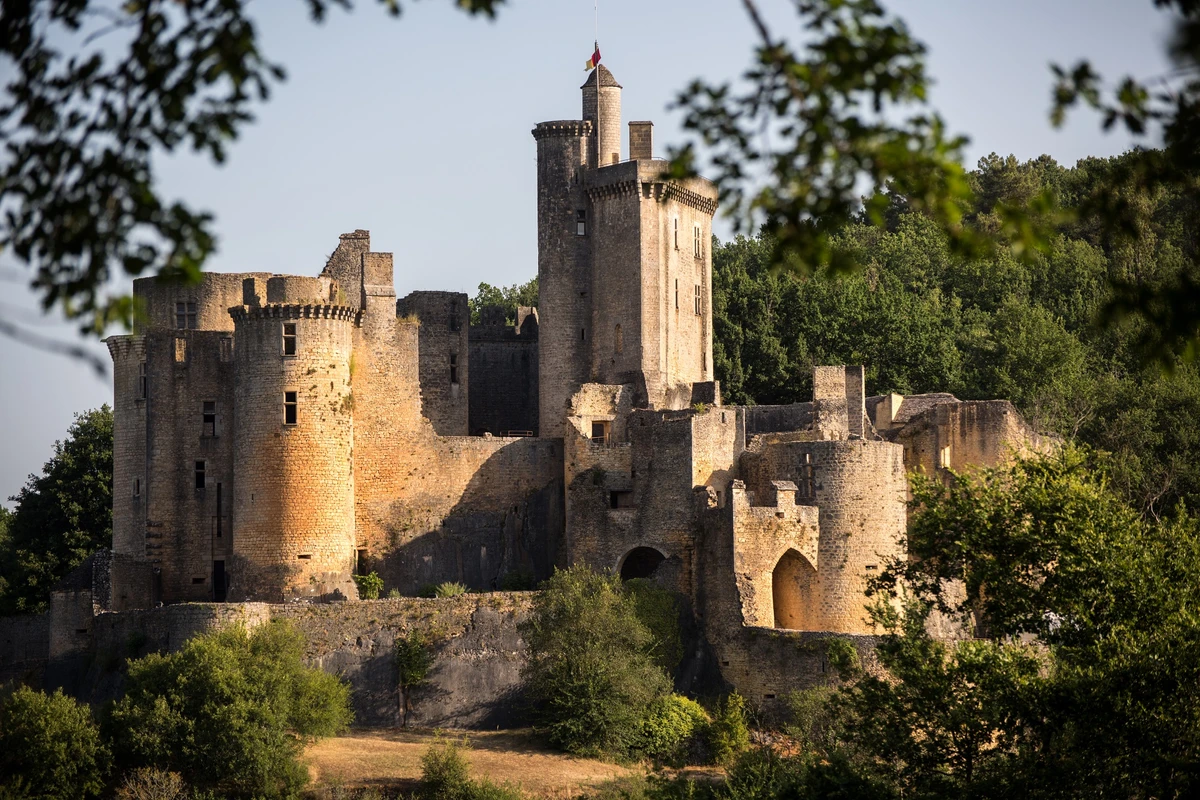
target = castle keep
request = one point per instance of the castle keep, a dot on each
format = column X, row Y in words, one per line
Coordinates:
column 276, row 434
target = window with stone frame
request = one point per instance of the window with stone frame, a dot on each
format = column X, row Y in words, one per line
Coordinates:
column 675, row 220
column 289, row 338
column 697, row 297
column 185, row 314
column 581, row 222
column 208, row 417
column 677, row 294
column 454, row 368
column 200, row 476
column 291, row 411
column 143, row 382
column 696, row 251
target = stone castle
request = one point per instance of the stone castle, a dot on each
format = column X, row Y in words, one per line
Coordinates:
column 277, row 434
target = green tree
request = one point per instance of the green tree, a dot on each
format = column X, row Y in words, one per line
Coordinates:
column 62, row 516
column 506, row 297
column 230, row 711
column 591, row 673
column 413, row 658
column 49, row 747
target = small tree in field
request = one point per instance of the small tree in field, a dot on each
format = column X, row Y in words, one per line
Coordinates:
column 49, row 747
column 413, row 659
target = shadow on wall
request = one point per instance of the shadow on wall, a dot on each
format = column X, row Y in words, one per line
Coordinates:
column 483, row 540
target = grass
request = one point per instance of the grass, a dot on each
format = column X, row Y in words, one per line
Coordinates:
column 391, row 759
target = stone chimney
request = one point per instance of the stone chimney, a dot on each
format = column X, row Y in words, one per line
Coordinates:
column 641, row 141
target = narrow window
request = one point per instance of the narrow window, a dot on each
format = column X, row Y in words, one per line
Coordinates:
column 697, row 298
column 703, row 361
column 600, row 431
column 209, row 419
column 199, row 474
column 696, row 240
column 676, row 221
column 618, row 339
column 289, row 408
column 185, row 315
column 198, row 581
column 220, row 511
column 137, row 487
column 677, row 294
column 180, row 350
column 453, row 368
column 143, row 383
column 226, row 349
column 944, row 457
column 454, row 315
column 289, row 338
column 581, row 336
column 581, row 223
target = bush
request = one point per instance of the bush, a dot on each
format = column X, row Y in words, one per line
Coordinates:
column 729, row 735
column 519, row 581
column 811, row 723
column 658, row 610
column 591, row 674
column 413, row 659
column 151, row 783
column 670, row 724
column 369, row 586
column 393, row 594
column 49, row 747
column 449, row 589
column 230, row 711
column 445, row 776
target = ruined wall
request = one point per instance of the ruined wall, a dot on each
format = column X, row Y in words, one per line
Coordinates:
column 293, row 511
column 771, row 419
column 24, row 648
column 504, row 379
column 443, row 357
column 213, row 296
column 964, row 435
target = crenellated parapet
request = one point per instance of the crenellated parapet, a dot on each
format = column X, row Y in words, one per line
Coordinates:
column 281, row 311
column 562, row 127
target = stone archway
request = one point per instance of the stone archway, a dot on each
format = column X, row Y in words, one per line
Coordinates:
column 793, row 592
column 641, row 562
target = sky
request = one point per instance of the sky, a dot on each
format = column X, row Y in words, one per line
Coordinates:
column 418, row 129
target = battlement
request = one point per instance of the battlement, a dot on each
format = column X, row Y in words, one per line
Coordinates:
column 562, row 127
column 296, row 311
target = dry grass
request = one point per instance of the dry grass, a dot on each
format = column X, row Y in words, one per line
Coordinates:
column 392, row 758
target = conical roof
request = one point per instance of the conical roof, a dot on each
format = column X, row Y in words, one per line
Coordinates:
column 601, row 74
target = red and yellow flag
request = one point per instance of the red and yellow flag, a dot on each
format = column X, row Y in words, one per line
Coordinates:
column 594, row 60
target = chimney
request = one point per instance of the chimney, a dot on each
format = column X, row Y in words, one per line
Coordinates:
column 641, row 141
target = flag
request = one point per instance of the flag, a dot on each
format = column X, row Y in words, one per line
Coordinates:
column 594, row 60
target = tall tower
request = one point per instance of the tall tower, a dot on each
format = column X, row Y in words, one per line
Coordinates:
column 624, row 268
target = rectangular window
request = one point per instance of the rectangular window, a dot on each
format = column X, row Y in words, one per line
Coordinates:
column 226, row 349
column 289, row 408
column 185, row 315
column 289, row 338
column 199, row 474
column 208, row 425
column 600, row 431
column 697, row 298
column 696, row 241
column 137, row 487
column 180, row 351
column 453, row 368
column 676, row 221
column 581, row 223
column 143, row 383
column 677, row 294
column 453, row 321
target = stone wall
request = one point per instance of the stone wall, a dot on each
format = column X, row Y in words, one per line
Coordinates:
column 504, row 379
column 443, row 357
column 24, row 648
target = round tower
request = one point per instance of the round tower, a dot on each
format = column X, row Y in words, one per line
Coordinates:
column 293, row 500
column 602, row 107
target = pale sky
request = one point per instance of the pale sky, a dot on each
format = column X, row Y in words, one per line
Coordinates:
column 418, row 129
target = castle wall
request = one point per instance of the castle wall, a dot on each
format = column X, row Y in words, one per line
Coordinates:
column 504, row 381
column 443, row 357
column 24, row 648
column 187, row 526
column 966, row 435
column 345, row 267
column 860, row 488
column 772, row 419
column 293, row 510
column 129, row 443
column 213, row 296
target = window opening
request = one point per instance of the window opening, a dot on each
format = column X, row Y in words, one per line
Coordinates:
column 218, row 584
column 581, row 336
column 199, row 474
column 209, row 416
column 807, row 488
column 944, row 457
column 137, row 487
column 677, row 294
column 453, row 368
column 581, row 223
column 185, row 315
column 697, row 299
column 219, row 511
column 454, row 326
column 180, row 350
column 360, row 561
column 696, row 240
column 289, row 408
column 289, row 338
column 226, row 349
column 143, row 382
column 600, row 431
column 676, row 221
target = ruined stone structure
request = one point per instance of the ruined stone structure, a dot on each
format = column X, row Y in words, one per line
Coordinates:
column 277, row 433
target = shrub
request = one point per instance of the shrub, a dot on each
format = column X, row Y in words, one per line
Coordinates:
column 50, row 747
column 393, row 594
column 151, row 783
column 729, row 735
column 444, row 776
column 449, row 589
column 590, row 675
column 658, row 610
column 230, row 711
column 413, row 658
column 519, row 581
column 811, row 723
column 669, row 726
column 369, row 586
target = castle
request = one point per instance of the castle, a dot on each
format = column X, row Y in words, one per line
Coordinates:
column 277, row 434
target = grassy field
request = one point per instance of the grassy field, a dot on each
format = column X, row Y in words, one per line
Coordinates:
column 392, row 758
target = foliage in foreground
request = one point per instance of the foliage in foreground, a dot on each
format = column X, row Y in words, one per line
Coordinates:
column 592, row 672
column 413, row 658
column 230, row 711
column 49, row 747
column 445, row 776
column 61, row 517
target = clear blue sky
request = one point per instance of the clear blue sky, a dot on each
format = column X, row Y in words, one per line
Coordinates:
column 418, row 130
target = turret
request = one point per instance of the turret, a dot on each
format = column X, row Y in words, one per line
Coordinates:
column 602, row 108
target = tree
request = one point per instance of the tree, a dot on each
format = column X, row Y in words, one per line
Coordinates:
column 62, row 516
column 230, row 711
column 506, row 297
column 49, row 747
column 591, row 674
column 413, row 660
